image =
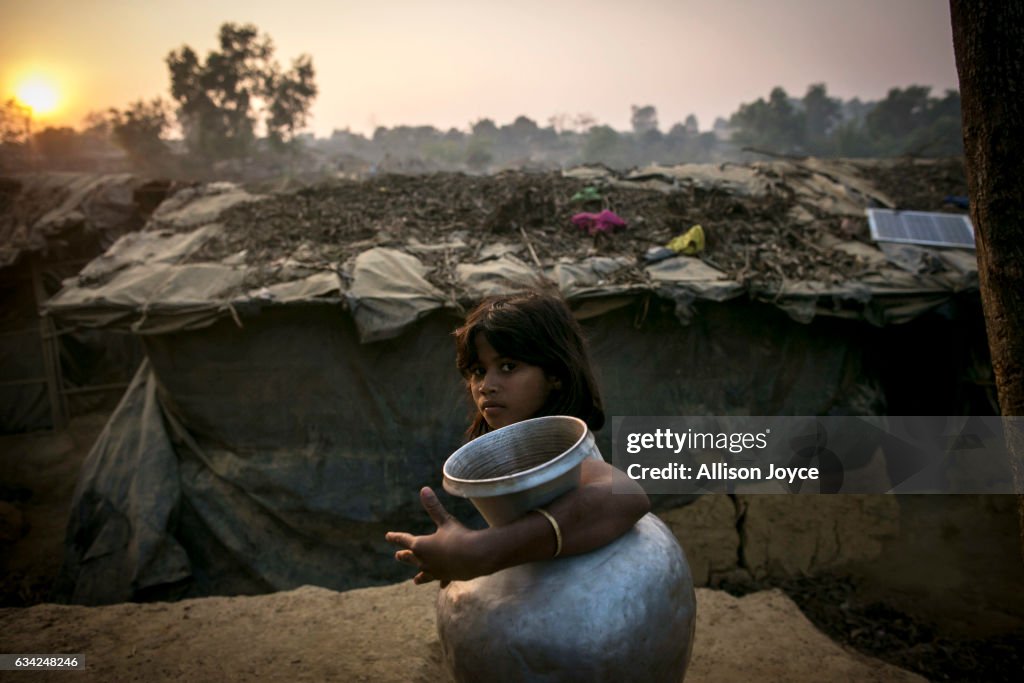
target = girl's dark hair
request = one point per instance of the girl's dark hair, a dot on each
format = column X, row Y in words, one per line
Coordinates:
column 538, row 328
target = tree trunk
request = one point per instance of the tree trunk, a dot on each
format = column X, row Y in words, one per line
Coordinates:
column 988, row 38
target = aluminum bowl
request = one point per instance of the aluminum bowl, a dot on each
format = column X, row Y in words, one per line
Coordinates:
column 512, row 470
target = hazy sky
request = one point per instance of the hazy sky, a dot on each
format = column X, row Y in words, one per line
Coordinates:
column 450, row 62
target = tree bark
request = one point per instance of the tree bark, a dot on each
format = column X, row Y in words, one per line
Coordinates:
column 988, row 38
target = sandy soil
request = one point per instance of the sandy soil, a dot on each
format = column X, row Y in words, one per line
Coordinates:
column 385, row 634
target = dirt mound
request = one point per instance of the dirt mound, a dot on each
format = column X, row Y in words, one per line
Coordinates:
column 917, row 185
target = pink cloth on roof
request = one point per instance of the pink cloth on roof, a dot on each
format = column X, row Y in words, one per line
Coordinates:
column 594, row 223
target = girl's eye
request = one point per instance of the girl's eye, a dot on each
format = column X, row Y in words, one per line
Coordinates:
column 508, row 366
column 476, row 372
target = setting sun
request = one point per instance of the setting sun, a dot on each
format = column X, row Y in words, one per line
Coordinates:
column 39, row 94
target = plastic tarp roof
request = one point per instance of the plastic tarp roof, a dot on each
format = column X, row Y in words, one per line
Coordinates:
column 157, row 281
column 51, row 223
column 388, row 289
column 46, row 204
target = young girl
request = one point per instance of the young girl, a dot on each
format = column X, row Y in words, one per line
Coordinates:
column 523, row 356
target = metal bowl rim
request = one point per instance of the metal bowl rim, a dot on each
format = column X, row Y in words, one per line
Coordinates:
column 460, row 483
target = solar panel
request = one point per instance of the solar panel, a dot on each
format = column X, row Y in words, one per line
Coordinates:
column 921, row 227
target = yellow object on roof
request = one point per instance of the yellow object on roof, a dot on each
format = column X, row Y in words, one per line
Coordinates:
column 690, row 242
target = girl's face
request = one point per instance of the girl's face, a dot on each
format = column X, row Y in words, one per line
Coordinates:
column 506, row 390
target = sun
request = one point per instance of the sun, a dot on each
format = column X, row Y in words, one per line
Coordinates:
column 39, row 94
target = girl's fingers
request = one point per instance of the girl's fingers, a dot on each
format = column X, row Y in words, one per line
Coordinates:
column 408, row 557
column 423, row 577
column 399, row 538
column 433, row 506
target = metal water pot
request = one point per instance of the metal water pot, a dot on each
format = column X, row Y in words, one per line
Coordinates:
column 624, row 612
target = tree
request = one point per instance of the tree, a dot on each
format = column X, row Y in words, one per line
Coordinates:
column 988, row 40
column 677, row 139
column 559, row 122
column 899, row 113
column 218, row 98
column 685, row 143
column 15, row 122
column 15, row 131
column 602, row 145
column 478, row 153
column 774, row 124
column 851, row 139
column 139, row 129
column 97, row 130
column 583, row 122
column 522, row 132
column 940, row 132
column 485, row 129
column 821, row 114
column 644, row 120
column 290, row 95
column 57, row 146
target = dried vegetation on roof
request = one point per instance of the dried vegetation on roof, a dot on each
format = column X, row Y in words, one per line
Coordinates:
column 447, row 218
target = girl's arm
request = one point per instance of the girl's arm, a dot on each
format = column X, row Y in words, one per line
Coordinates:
column 590, row 516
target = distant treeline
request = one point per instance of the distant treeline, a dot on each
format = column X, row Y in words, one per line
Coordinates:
column 908, row 121
column 239, row 114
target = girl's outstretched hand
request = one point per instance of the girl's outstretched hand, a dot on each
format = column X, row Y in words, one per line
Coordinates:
column 590, row 516
column 452, row 553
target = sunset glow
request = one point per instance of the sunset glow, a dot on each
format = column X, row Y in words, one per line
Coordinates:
column 39, row 94
column 442, row 64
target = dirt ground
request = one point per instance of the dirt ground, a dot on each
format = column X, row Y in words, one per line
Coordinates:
column 801, row 630
column 37, row 478
column 386, row 634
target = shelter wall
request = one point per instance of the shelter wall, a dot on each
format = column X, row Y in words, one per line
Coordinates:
column 276, row 454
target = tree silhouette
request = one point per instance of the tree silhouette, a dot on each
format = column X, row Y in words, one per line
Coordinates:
column 644, row 119
column 602, row 145
column 821, row 114
column 139, row 129
column 290, row 95
column 900, row 112
column 15, row 122
column 217, row 98
column 774, row 124
column 57, row 146
column 485, row 129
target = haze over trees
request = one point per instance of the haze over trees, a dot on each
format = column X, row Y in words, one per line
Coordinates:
column 907, row 122
column 139, row 130
column 15, row 122
column 237, row 113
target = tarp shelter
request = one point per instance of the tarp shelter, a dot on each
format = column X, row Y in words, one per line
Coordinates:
column 292, row 402
column 51, row 224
